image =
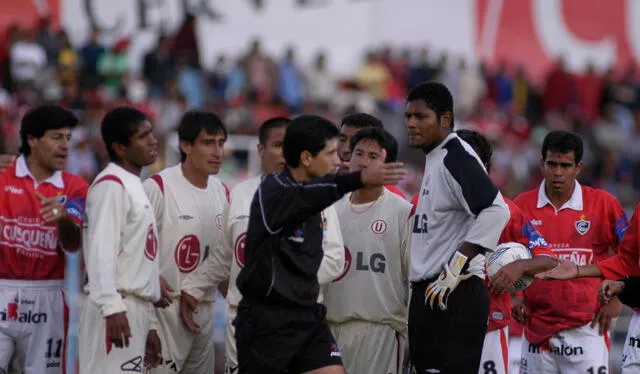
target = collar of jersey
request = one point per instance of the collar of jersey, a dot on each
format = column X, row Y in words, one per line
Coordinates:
column 442, row 143
column 575, row 201
column 22, row 170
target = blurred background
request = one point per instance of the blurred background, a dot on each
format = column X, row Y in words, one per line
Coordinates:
column 516, row 70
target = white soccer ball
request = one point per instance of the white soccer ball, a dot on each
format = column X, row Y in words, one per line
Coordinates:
column 504, row 254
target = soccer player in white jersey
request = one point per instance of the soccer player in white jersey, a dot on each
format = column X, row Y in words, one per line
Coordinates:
column 372, row 332
column 188, row 202
column 120, row 254
column 235, row 221
column 460, row 215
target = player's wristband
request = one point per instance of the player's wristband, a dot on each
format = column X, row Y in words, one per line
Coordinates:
column 457, row 263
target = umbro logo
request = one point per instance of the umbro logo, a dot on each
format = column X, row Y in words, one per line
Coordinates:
column 134, row 365
column 13, row 190
column 185, row 217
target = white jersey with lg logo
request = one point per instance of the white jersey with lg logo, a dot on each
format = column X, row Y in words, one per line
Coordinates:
column 189, row 222
column 376, row 270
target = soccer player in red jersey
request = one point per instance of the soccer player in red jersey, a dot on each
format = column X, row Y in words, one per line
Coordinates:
column 626, row 263
column 41, row 212
column 495, row 351
column 581, row 225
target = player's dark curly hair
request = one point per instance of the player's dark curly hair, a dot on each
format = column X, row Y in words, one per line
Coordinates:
column 384, row 139
column 307, row 133
column 118, row 126
column 563, row 142
column 480, row 144
column 436, row 96
column 193, row 122
column 361, row 120
column 39, row 120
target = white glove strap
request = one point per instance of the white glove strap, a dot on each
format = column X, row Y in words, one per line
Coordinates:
column 457, row 262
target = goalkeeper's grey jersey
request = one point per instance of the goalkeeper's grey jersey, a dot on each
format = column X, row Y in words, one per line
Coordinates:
column 457, row 203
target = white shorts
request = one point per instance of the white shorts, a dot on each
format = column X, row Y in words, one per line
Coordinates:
column 495, row 352
column 96, row 353
column 231, row 353
column 576, row 351
column 515, row 354
column 631, row 350
column 369, row 347
column 34, row 320
column 183, row 351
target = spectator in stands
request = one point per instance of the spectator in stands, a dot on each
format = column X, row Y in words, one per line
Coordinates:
column 185, row 43
column 49, row 39
column 27, row 58
column 291, row 86
column 261, row 73
column 90, row 54
column 158, row 67
column 113, row 65
column 374, row 76
column 590, row 87
column 421, row 71
column 472, row 88
column 67, row 59
column 559, row 89
column 321, row 85
column 219, row 80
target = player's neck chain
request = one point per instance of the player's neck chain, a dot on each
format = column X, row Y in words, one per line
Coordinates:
column 369, row 206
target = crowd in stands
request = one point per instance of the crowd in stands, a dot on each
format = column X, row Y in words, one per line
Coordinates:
column 40, row 65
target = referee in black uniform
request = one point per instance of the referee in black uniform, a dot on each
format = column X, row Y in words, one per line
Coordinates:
column 459, row 216
column 280, row 327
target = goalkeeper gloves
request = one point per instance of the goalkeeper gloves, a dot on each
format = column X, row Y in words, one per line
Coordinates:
column 448, row 280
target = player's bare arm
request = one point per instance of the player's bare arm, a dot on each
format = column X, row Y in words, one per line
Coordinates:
column 504, row 279
column 69, row 234
column 188, row 306
column 610, row 289
column 153, row 350
column 118, row 330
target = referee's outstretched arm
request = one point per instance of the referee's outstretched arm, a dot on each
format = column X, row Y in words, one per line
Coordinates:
column 284, row 201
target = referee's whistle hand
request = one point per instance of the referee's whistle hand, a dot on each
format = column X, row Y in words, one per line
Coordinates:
column 384, row 174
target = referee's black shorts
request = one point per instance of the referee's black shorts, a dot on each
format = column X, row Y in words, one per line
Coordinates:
column 449, row 341
column 283, row 339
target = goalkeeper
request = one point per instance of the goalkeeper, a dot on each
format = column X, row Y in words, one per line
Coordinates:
column 459, row 216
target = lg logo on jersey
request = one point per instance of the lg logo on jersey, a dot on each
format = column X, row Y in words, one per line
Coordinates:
column 376, row 263
column 420, row 224
column 151, row 246
column 187, row 254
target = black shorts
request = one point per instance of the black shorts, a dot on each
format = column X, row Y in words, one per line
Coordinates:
column 449, row 341
column 278, row 339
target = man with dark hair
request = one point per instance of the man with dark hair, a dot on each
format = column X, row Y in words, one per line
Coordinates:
column 495, row 349
column 231, row 254
column 351, row 124
column 371, row 332
column 121, row 246
column 581, row 225
column 280, row 327
column 459, row 216
column 41, row 214
column 188, row 203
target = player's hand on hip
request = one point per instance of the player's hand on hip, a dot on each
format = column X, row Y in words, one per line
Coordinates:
column 387, row 173
column 152, row 350
column 609, row 289
column 520, row 312
column 118, row 330
column 6, row 161
column 166, row 292
column 565, row 270
column 606, row 314
column 52, row 209
column 448, row 280
column 188, row 306
column 506, row 277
